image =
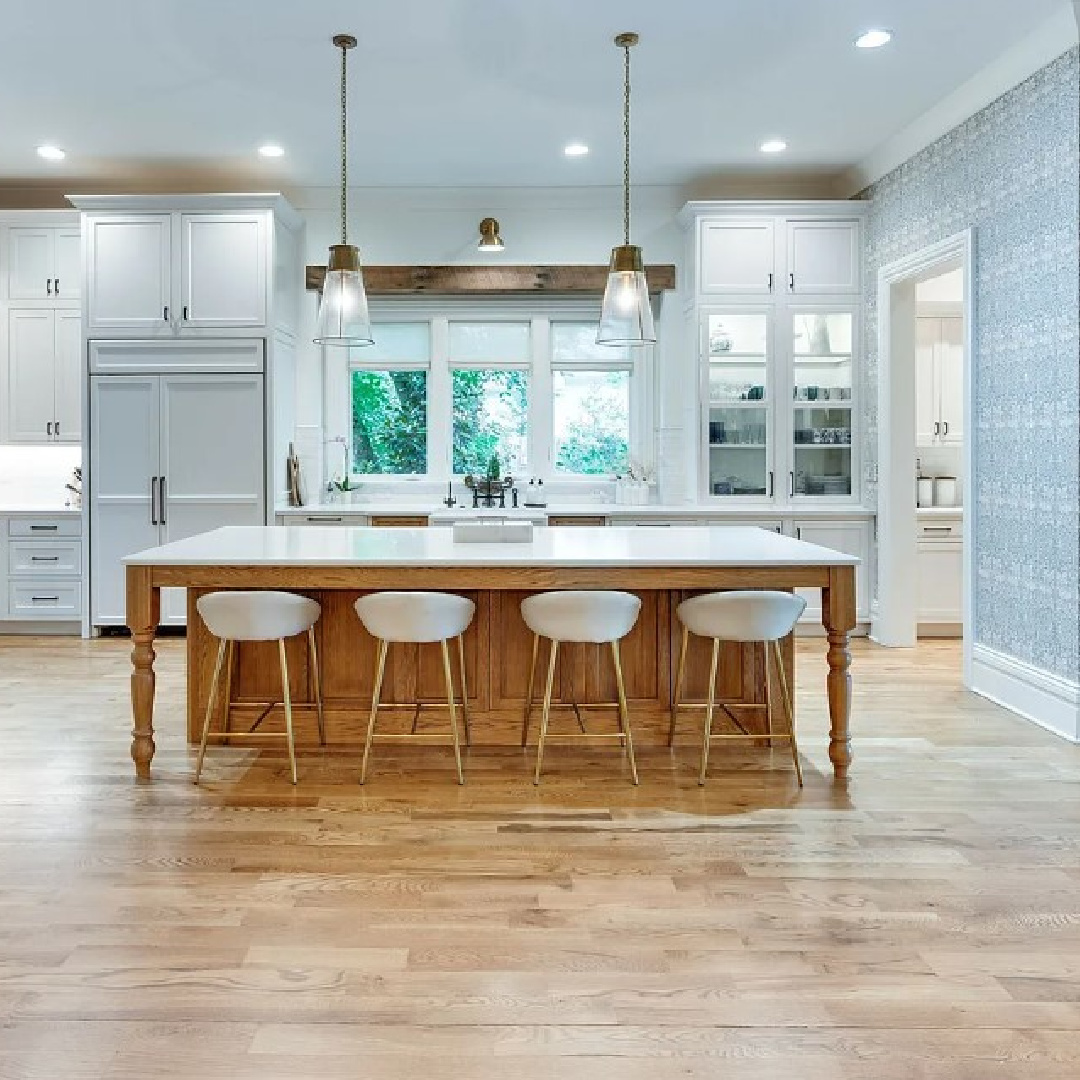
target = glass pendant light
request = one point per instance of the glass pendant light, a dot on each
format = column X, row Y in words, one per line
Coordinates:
column 626, row 315
column 343, row 311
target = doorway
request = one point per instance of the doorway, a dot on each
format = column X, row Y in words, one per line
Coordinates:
column 925, row 392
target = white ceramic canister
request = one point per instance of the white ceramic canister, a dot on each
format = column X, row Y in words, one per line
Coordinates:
column 925, row 491
column 944, row 490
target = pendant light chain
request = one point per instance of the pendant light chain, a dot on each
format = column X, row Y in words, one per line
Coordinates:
column 626, row 144
column 344, row 142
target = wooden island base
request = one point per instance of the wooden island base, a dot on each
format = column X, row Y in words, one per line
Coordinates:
column 498, row 647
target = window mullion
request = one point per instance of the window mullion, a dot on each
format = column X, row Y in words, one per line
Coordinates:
column 439, row 402
column 540, row 413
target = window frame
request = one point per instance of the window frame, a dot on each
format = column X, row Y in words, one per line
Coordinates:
column 540, row 314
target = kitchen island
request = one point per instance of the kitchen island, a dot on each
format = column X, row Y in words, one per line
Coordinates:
column 661, row 565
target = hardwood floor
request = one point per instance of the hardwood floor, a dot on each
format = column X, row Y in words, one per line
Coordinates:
column 921, row 922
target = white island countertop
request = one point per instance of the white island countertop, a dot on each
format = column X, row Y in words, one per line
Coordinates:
column 574, row 546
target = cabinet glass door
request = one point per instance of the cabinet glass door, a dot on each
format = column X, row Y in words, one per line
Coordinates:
column 822, row 391
column 739, row 398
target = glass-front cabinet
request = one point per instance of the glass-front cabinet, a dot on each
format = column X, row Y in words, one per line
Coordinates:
column 739, row 386
column 779, row 401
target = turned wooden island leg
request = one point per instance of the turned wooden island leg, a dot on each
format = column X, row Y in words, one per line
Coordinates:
column 838, row 617
column 143, row 607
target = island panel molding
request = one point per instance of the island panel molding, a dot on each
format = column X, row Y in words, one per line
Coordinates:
column 564, row 280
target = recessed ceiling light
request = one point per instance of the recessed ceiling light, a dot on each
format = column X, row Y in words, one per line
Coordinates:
column 271, row 150
column 773, row 146
column 575, row 149
column 51, row 153
column 873, row 39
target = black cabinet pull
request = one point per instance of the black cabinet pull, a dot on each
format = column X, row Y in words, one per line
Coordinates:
column 791, row 485
column 945, row 427
column 165, row 314
column 56, row 285
column 44, row 558
column 791, row 281
column 185, row 313
column 45, row 599
column 48, row 286
column 770, row 282
column 161, row 500
column 44, row 528
column 770, row 483
column 56, row 428
column 153, row 500
column 48, row 429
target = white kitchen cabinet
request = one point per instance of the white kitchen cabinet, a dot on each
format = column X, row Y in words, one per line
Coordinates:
column 940, row 566
column 823, row 257
column 854, row 537
column 44, row 375
column 939, row 367
column 40, row 568
column 223, row 270
column 129, row 274
column 737, row 256
column 170, row 456
column 161, row 275
column 44, row 263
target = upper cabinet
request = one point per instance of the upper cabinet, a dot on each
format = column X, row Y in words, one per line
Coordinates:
column 807, row 253
column 203, row 266
column 939, row 369
column 43, row 263
column 164, row 274
column 737, row 257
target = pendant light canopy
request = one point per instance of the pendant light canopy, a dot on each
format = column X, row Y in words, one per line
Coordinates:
column 343, row 311
column 626, row 315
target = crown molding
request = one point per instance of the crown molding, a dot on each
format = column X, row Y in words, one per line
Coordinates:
column 1051, row 40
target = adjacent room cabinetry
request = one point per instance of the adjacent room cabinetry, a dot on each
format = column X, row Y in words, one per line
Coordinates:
column 775, row 310
column 41, row 560
column 940, row 381
column 940, row 564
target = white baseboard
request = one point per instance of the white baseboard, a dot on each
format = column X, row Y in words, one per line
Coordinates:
column 1046, row 699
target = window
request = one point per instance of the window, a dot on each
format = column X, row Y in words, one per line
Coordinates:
column 389, row 422
column 448, row 386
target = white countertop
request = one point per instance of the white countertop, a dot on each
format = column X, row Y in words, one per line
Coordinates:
column 570, row 509
column 940, row 511
column 573, row 546
column 45, row 509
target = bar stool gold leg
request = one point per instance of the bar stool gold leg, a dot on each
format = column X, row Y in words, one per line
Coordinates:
column 709, row 710
column 464, row 689
column 287, row 698
column 317, row 679
column 678, row 686
column 380, row 667
column 230, row 655
column 546, row 714
column 209, row 709
column 768, row 693
column 786, row 694
column 624, row 713
column 453, row 709
column 529, row 692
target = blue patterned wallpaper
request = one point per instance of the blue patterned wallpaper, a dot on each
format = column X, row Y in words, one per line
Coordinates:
column 1012, row 173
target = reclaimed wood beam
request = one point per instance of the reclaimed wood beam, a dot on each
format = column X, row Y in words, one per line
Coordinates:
column 564, row 280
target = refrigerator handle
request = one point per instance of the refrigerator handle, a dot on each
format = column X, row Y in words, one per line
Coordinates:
column 153, row 500
column 161, row 500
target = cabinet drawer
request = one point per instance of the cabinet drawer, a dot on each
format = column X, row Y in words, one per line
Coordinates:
column 44, row 527
column 44, row 558
column 294, row 520
column 400, row 522
column 941, row 530
column 44, row 599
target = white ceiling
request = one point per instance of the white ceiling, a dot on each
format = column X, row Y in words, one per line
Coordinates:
column 453, row 93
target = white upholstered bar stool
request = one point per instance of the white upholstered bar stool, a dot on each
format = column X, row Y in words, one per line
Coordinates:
column 234, row 617
column 590, row 616
column 417, row 618
column 745, row 616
